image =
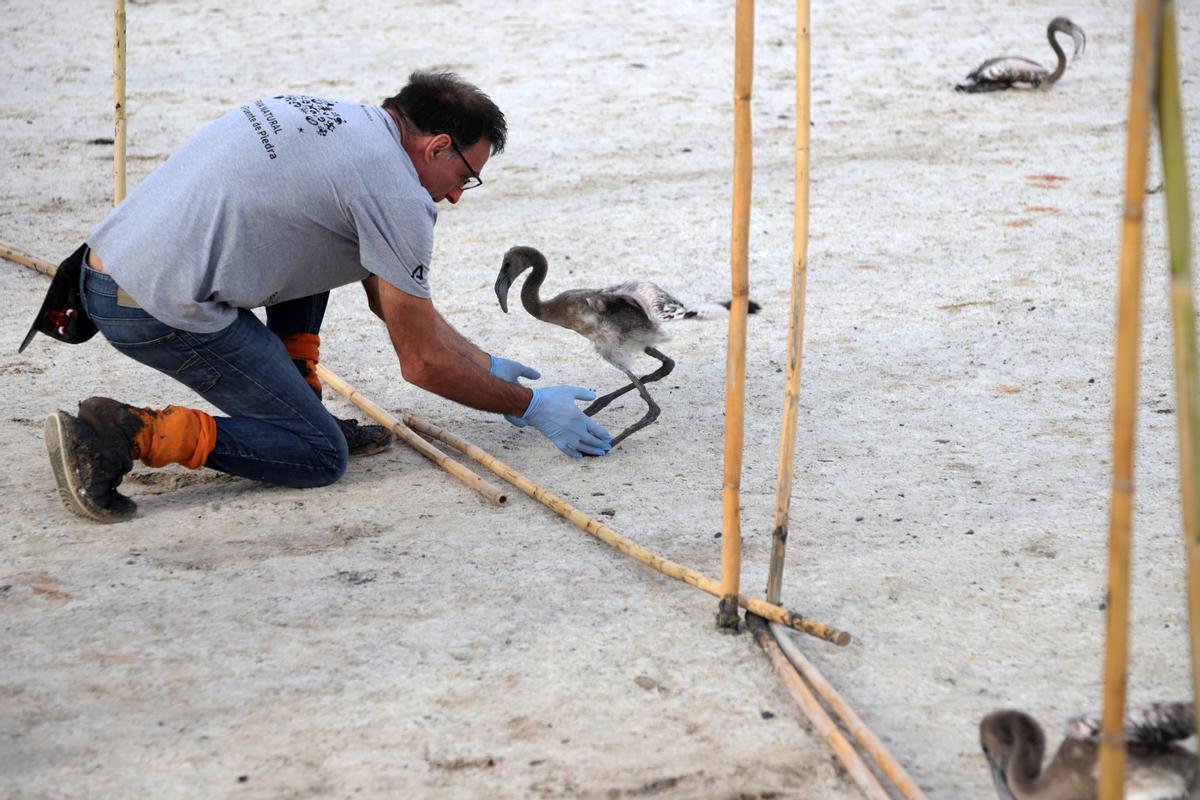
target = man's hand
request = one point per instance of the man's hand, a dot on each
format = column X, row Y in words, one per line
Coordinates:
column 553, row 412
column 508, row 370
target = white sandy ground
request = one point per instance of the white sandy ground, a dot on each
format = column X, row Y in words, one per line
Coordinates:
column 394, row 635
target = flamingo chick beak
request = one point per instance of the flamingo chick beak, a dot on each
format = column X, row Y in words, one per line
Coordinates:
column 999, row 779
column 502, row 284
column 1080, row 40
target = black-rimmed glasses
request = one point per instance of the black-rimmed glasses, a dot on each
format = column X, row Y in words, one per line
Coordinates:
column 474, row 180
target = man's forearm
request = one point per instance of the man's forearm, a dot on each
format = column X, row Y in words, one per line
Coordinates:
column 461, row 345
column 447, row 372
column 438, row 358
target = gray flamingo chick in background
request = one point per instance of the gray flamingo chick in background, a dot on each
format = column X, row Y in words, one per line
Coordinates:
column 1156, row 767
column 620, row 321
column 1016, row 72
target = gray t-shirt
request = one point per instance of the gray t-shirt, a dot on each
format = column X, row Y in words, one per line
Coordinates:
column 282, row 198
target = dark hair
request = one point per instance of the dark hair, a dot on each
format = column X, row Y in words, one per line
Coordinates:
column 442, row 102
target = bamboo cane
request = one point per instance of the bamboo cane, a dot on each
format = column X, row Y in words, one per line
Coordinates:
column 618, row 542
column 118, row 101
column 856, row 768
column 884, row 760
column 735, row 368
column 406, row 435
column 26, row 259
column 795, row 356
column 1187, row 380
column 1116, row 655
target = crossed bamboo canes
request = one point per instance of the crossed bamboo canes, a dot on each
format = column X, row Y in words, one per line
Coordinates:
column 800, row 678
column 869, row 742
column 856, row 768
column 727, row 590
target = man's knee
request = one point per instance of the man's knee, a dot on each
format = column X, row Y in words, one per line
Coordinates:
column 322, row 462
column 331, row 463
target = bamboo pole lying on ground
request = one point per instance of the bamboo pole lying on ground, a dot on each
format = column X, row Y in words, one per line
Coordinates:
column 795, row 353
column 1116, row 650
column 615, row 540
column 735, row 364
column 856, row 768
column 1183, row 313
column 884, row 760
column 118, row 101
column 26, row 259
column 467, row 476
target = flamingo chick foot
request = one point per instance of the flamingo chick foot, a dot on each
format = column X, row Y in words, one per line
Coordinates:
column 650, row 417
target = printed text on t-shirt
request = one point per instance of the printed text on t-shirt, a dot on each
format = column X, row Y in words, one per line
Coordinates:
column 261, row 130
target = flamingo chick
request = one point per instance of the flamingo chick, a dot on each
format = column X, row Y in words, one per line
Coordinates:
column 1156, row 767
column 1015, row 72
column 620, row 321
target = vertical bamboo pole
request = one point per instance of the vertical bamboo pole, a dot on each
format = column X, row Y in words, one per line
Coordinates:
column 119, row 101
column 1112, row 748
column 791, row 403
column 735, row 365
column 1183, row 313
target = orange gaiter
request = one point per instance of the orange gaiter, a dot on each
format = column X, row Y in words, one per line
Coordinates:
column 174, row 435
column 305, row 347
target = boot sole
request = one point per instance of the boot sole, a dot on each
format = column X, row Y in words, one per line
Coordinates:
column 62, row 462
column 370, row 449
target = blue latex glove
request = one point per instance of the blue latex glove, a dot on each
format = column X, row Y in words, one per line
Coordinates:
column 508, row 370
column 553, row 412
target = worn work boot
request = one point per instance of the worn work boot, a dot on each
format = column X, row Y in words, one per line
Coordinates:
column 90, row 454
column 364, row 440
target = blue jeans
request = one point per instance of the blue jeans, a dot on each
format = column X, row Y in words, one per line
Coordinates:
column 277, row 430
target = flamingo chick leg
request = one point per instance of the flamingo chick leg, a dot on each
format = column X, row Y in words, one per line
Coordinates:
column 600, row 403
column 652, row 411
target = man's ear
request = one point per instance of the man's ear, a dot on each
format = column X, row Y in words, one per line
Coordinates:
column 437, row 146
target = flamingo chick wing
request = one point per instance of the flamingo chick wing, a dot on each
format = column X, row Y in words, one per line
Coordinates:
column 662, row 305
column 658, row 302
column 1005, row 72
column 1153, row 723
column 619, row 325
